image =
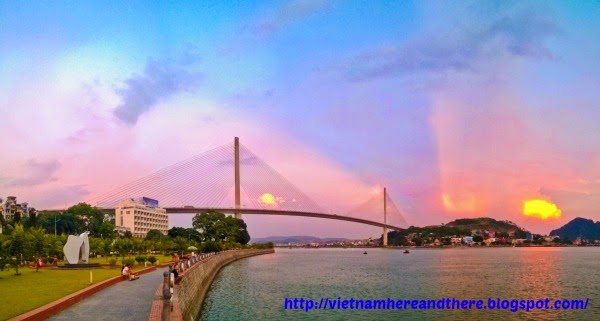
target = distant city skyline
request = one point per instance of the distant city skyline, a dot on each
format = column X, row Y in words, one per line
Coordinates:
column 460, row 109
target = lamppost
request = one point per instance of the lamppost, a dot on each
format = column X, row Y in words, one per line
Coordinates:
column 55, row 221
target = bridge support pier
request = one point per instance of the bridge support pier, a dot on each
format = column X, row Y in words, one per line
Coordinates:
column 385, row 230
column 385, row 239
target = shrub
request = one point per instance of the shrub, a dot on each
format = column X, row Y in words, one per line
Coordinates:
column 152, row 259
column 140, row 259
column 231, row 246
column 268, row 245
column 131, row 262
column 211, row 246
column 112, row 261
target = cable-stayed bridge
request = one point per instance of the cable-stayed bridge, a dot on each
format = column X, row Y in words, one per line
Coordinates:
column 232, row 179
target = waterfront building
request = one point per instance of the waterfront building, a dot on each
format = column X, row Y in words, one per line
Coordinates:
column 468, row 239
column 518, row 241
column 489, row 241
column 456, row 240
column 140, row 216
column 10, row 208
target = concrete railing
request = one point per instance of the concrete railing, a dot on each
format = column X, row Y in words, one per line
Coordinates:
column 182, row 298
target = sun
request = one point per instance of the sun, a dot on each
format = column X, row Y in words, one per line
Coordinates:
column 268, row 199
column 541, row 209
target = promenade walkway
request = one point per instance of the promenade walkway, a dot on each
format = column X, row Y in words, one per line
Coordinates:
column 127, row 300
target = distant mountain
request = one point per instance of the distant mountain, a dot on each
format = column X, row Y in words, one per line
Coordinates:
column 578, row 227
column 295, row 239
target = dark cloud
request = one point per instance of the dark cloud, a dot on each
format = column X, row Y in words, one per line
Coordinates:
column 160, row 80
column 35, row 173
column 465, row 48
column 288, row 14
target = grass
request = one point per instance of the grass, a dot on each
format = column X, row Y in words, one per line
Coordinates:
column 31, row 289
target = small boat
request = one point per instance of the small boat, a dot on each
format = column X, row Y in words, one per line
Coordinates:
column 365, row 252
column 406, row 252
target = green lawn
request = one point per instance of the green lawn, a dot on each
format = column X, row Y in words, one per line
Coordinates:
column 33, row 289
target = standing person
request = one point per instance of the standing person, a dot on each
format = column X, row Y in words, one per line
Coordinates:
column 175, row 271
column 55, row 261
column 38, row 264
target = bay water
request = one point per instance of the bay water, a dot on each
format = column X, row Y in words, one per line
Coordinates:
column 256, row 288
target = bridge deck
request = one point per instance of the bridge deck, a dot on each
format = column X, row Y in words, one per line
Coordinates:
column 194, row 210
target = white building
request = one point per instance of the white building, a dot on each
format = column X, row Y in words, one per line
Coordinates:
column 141, row 216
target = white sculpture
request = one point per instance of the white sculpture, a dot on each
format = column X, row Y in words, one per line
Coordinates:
column 76, row 245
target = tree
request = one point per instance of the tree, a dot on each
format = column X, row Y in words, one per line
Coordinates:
column 3, row 252
column 210, row 224
column 418, row 241
column 67, row 223
column 138, row 245
column 17, row 247
column 211, row 246
column 181, row 244
column 3, row 223
column 127, row 235
column 166, row 246
column 242, row 236
column 37, row 241
column 519, row 234
column 107, row 230
column 32, row 219
column 154, row 235
column 17, row 218
column 447, row 241
column 538, row 239
column 92, row 217
column 215, row 226
column 396, row 238
column 104, row 247
column 189, row 233
column 95, row 245
column 123, row 246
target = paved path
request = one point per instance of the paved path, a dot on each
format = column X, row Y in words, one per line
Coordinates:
column 127, row 300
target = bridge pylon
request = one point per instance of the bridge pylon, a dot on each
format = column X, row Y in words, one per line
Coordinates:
column 236, row 148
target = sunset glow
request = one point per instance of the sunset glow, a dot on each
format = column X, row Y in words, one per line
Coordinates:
column 460, row 203
column 461, row 114
column 268, row 199
column 541, row 208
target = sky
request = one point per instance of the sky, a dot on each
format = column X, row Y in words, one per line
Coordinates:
column 458, row 108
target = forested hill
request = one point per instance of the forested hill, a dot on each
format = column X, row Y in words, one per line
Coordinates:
column 579, row 227
column 465, row 226
column 484, row 223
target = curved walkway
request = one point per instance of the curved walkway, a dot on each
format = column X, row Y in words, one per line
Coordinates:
column 127, row 300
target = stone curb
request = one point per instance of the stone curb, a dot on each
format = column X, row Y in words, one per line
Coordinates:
column 59, row 305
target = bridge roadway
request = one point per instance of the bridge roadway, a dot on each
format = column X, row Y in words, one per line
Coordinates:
column 194, row 210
